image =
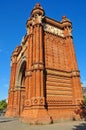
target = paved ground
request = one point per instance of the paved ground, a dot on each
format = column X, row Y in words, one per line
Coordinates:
column 15, row 124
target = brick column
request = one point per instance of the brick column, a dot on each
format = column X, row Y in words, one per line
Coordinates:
column 34, row 110
column 76, row 85
column 28, row 74
column 9, row 111
column 38, row 66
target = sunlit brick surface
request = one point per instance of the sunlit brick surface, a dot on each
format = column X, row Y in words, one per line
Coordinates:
column 45, row 81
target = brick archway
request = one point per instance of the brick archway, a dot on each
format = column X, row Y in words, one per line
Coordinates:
column 20, row 77
column 20, row 85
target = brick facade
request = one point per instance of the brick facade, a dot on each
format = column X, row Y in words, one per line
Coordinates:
column 45, row 80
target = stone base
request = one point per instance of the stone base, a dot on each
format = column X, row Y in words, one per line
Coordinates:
column 66, row 114
column 11, row 113
column 36, row 116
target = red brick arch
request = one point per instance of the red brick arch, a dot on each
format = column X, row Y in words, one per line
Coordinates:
column 21, row 72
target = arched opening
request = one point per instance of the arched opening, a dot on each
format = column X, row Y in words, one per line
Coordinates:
column 20, row 77
column 22, row 74
column 20, row 84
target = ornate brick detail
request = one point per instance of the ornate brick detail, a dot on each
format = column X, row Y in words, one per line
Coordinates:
column 75, row 73
column 37, row 101
column 38, row 66
column 55, row 51
column 28, row 73
column 27, row 103
column 59, row 101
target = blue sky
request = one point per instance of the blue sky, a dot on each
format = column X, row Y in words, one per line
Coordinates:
column 13, row 17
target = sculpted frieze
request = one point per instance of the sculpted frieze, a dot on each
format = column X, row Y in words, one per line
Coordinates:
column 54, row 30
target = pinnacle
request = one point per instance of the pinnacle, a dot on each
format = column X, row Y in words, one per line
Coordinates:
column 64, row 18
column 38, row 5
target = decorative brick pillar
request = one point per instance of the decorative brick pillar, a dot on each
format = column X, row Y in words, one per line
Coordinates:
column 77, row 90
column 34, row 110
column 13, row 64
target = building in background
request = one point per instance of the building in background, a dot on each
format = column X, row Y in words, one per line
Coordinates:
column 45, row 80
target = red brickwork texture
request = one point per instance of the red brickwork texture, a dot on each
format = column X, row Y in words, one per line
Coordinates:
column 45, row 81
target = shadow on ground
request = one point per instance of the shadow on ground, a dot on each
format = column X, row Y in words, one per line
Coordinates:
column 4, row 119
column 80, row 127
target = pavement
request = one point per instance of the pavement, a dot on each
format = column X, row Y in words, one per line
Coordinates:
column 15, row 124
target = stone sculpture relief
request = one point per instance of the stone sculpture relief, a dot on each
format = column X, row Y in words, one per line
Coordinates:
column 53, row 30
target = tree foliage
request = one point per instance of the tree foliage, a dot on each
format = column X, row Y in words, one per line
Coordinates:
column 3, row 105
column 85, row 100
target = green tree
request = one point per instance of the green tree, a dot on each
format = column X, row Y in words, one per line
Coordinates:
column 85, row 100
column 3, row 105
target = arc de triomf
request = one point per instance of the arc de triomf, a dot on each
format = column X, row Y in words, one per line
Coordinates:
column 45, row 80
